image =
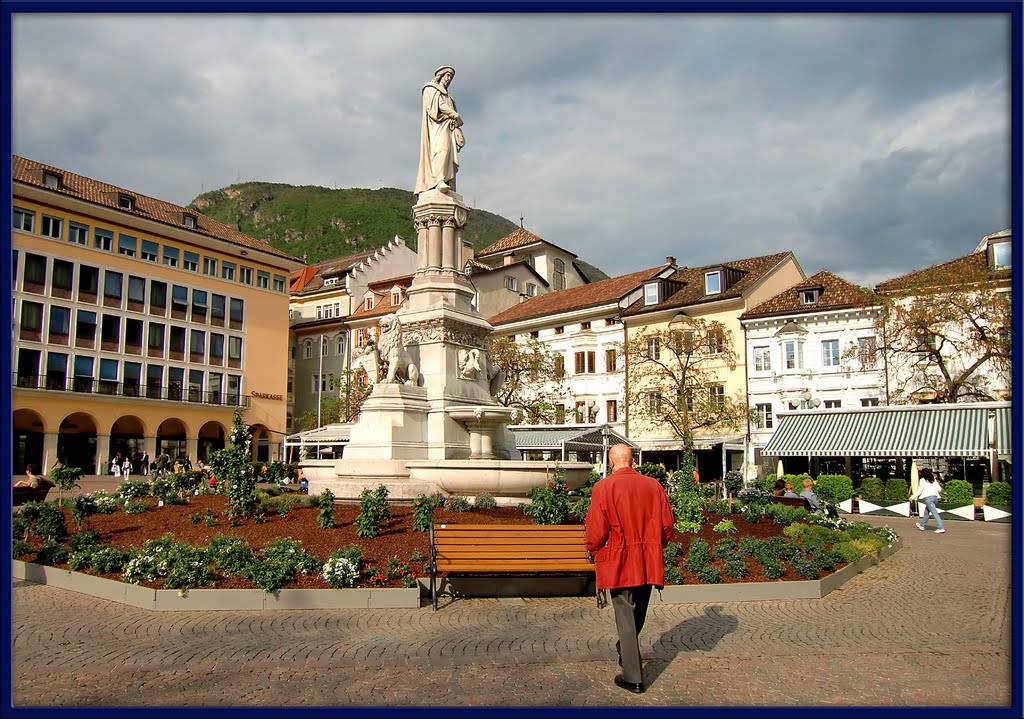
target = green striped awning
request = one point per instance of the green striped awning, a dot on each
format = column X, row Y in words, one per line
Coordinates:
column 1002, row 431
column 918, row 431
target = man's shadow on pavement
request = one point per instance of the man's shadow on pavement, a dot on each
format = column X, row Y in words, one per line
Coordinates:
column 696, row 634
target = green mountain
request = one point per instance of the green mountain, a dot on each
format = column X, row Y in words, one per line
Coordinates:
column 320, row 223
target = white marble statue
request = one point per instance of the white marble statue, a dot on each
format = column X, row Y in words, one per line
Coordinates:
column 441, row 135
column 469, row 363
column 398, row 366
column 369, row 361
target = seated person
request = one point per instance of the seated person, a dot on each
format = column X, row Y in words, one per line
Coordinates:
column 31, row 478
column 789, row 491
column 780, row 488
column 812, row 499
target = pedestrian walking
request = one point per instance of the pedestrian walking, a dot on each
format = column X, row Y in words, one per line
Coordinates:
column 144, row 463
column 115, row 465
column 126, row 467
column 928, row 491
column 628, row 527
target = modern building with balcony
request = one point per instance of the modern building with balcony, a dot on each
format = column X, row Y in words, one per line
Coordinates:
column 139, row 325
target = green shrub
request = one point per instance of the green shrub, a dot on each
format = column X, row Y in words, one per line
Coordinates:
column 133, row 490
column 998, row 493
column 455, row 503
column 726, row 526
column 81, row 559
column 748, row 545
column 163, row 488
column 654, row 471
column 484, row 500
column 50, row 524
column 825, row 559
column 83, row 507
column 20, row 548
column 110, row 560
column 673, row 574
column 83, row 539
column 353, row 553
column 686, row 506
column 340, row 572
column 269, row 576
column 871, row 544
column 871, row 488
column 135, row 506
column 733, row 482
column 709, row 574
column 672, row 552
column 847, row 551
column 52, row 553
column 896, row 489
column 105, row 503
column 735, row 566
column 290, row 551
column 325, row 517
column 957, row 491
column 833, row 488
column 724, row 547
column 698, row 556
column 765, row 483
column 549, row 504
column 372, row 512
column 187, row 567
column 720, row 507
column 774, row 569
column 231, row 554
column 785, row 514
column 422, row 513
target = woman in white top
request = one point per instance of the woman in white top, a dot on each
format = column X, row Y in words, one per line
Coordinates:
column 928, row 491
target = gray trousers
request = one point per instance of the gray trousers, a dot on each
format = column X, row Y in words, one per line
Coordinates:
column 630, row 605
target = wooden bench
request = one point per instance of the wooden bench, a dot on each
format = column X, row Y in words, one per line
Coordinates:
column 28, row 494
column 793, row 502
column 522, row 549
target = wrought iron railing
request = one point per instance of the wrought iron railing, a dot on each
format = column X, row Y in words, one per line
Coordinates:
column 88, row 385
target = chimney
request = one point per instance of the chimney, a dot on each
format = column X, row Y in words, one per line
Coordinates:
column 523, row 297
column 670, row 260
column 509, row 258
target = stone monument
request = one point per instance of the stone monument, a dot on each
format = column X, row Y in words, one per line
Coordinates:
column 431, row 422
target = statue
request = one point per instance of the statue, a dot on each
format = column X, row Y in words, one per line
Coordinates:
column 441, row 135
column 369, row 361
column 469, row 363
column 495, row 378
column 397, row 363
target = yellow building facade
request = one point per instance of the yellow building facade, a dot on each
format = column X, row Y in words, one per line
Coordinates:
column 139, row 326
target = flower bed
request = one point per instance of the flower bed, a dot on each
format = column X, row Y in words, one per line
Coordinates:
column 397, row 555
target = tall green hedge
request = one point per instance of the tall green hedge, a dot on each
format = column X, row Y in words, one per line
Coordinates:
column 957, row 491
column 833, row 488
column 871, row 489
column 896, row 489
column 998, row 493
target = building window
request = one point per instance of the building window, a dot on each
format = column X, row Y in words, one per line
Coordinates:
column 235, row 349
column 559, row 330
column 179, row 301
column 763, row 416
column 716, row 340
column 31, row 321
column 396, row 297
column 227, row 271
column 191, row 263
column 584, row 326
column 108, row 376
column 83, row 374
column 35, row 273
column 217, row 309
column 210, row 266
column 558, row 281
column 136, row 290
column 171, row 256
column 808, row 297
column 188, row 220
column 52, row 227
column 24, row 220
column 559, row 362
column 531, row 289
column 237, row 314
column 325, row 347
column 245, row 275
column 216, row 347
column 611, row 411
column 511, row 283
column 112, row 287
column 126, row 202
column 197, row 346
column 263, row 280
column 56, row 370
column 319, row 312
column 712, row 283
column 360, row 337
column 869, row 402
column 110, row 333
column 1001, row 255
column 866, row 352
column 559, row 414
column 103, row 240
column 62, row 278
column 157, row 297
column 156, row 339
column 611, row 360
column 279, row 283
column 762, row 359
column 199, row 305
column 830, row 353
column 793, row 355
column 651, row 293
column 88, row 283
column 85, row 328
column 341, row 345
column 127, row 245
column 716, row 395
column 234, row 389
column 586, row 362
column 52, row 180
column 154, row 380
column 535, row 334
column 78, row 233
column 832, row 403
column 653, row 348
column 653, row 403
column 150, row 251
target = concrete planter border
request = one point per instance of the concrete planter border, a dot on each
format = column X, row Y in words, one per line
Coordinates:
column 218, row 599
column 372, row 598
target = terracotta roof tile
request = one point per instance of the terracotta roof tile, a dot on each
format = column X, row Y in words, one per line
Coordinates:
column 517, row 238
column 968, row 269
column 30, row 172
column 836, row 294
column 315, row 274
column 691, row 283
column 575, row 298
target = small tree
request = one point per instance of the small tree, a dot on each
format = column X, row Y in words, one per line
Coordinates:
column 65, row 478
column 233, row 468
column 532, row 377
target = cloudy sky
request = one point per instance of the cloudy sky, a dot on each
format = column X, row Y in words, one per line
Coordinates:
column 870, row 145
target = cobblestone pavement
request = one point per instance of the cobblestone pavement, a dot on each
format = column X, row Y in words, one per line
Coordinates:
column 863, row 644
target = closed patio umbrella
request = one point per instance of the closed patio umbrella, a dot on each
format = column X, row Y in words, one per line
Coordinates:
column 778, row 470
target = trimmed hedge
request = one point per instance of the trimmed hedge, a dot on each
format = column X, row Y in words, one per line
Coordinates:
column 998, row 493
column 957, row 491
column 896, row 489
column 871, row 489
column 833, row 488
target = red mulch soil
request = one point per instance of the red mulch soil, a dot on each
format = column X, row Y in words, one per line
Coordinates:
column 396, row 539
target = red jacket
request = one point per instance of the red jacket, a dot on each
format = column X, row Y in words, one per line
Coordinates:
column 628, row 525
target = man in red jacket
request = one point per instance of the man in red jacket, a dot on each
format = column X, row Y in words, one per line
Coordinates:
column 628, row 526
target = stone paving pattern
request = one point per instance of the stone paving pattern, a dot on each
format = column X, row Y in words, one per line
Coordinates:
column 863, row 644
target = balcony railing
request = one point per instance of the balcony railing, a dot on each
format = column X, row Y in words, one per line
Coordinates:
column 88, row 385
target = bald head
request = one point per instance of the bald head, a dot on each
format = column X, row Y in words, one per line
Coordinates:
column 619, row 456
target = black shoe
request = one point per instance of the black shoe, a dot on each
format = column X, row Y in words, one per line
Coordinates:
column 629, row 686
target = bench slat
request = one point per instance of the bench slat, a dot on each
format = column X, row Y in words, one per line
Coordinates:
column 515, row 565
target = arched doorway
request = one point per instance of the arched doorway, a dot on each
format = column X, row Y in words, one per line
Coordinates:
column 260, row 442
column 28, row 440
column 211, row 438
column 170, row 438
column 126, row 437
column 76, row 443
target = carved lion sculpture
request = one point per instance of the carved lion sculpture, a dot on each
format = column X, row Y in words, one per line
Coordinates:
column 393, row 355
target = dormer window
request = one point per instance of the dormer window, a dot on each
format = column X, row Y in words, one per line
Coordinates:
column 468, row 269
column 188, row 220
column 126, row 202
column 53, row 180
column 652, row 293
column 712, row 282
column 330, row 281
column 396, row 296
column 1000, row 255
column 808, row 297
column 368, row 302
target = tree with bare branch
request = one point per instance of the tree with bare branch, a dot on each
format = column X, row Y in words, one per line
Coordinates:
column 533, row 376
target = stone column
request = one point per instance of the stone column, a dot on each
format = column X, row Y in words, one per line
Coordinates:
column 192, row 447
column 102, row 454
column 49, row 451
